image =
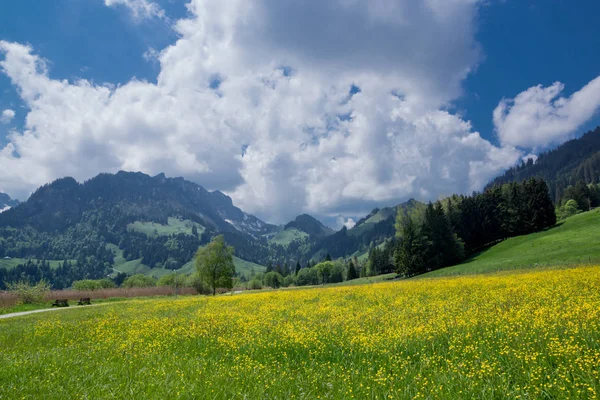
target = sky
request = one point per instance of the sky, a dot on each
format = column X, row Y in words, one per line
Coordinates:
column 327, row 107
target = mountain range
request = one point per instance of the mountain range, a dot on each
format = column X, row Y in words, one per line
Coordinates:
column 132, row 222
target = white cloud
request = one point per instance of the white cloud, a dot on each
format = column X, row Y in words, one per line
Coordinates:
column 140, row 9
column 347, row 222
column 537, row 117
column 7, row 116
column 254, row 99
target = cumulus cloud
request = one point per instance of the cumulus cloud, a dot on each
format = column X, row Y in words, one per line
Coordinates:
column 140, row 9
column 7, row 116
column 538, row 117
column 332, row 108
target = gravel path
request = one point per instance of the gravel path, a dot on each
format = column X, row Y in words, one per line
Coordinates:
column 19, row 314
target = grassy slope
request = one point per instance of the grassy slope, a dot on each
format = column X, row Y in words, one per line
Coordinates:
column 572, row 242
column 174, row 226
column 285, row 237
column 242, row 267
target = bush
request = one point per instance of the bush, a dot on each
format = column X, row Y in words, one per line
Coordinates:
column 107, row 283
column 273, row 279
column 173, row 280
column 289, row 280
column 254, row 284
column 307, row 276
column 139, row 281
column 196, row 282
column 86, row 284
column 28, row 293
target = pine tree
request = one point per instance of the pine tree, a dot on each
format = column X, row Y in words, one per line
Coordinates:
column 298, row 268
column 352, row 273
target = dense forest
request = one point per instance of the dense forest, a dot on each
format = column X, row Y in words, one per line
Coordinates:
column 458, row 226
column 573, row 161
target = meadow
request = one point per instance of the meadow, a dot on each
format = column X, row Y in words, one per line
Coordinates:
column 532, row 334
column 567, row 243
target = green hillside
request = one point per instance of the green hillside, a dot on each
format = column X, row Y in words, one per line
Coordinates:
column 242, row 267
column 572, row 242
column 175, row 226
column 287, row 236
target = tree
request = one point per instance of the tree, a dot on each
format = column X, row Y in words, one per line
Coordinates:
column 214, row 264
column 352, row 273
column 273, row 279
column 298, row 268
column 409, row 255
column 139, row 281
column 327, row 257
column 568, row 210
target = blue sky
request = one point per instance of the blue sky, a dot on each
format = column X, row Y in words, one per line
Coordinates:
column 305, row 148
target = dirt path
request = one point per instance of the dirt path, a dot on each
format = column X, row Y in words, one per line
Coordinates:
column 19, row 314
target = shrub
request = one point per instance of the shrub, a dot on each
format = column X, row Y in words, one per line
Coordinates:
column 254, row 284
column 28, row 293
column 289, row 280
column 139, row 281
column 173, row 280
column 273, row 279
column 307, row 276
column 107, row 283
column 196, row 282
column 86, row 284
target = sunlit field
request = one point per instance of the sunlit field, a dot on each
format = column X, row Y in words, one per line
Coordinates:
column 521, row 335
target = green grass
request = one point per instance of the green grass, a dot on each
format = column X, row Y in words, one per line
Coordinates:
column 246, row 268
column 133, row 267
column 175, row 226
column 531, row 335
column 287, row 236
column 366, row 281
column 574, row 241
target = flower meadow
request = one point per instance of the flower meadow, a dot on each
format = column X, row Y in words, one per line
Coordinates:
column 525, row 335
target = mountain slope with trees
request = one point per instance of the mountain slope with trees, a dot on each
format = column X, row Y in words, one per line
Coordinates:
column 573, row 161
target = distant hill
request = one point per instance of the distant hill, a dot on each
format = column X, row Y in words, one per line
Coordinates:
column 6, row 202
column 372, row 230
column 575, row 160
column 310, row 226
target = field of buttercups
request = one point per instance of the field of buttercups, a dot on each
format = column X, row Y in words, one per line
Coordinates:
column 520, row 335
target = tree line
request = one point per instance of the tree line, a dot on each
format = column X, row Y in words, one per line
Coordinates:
column 454, row 228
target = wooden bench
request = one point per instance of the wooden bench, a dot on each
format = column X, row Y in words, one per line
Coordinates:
column 60, row 303
column 84, row 300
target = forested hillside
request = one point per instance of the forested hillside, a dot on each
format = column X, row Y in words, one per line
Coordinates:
column 573, row 161
column 81, row 225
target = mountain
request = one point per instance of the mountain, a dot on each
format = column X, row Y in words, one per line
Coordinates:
column 65, row 202
column 573, row 161
column 123, row 222
column 374, row 229
column 310, row 226
column 6, row 202
column 131, row 222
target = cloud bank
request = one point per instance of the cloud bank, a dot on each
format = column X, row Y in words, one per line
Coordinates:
column 328, row 107
column 537, row 117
